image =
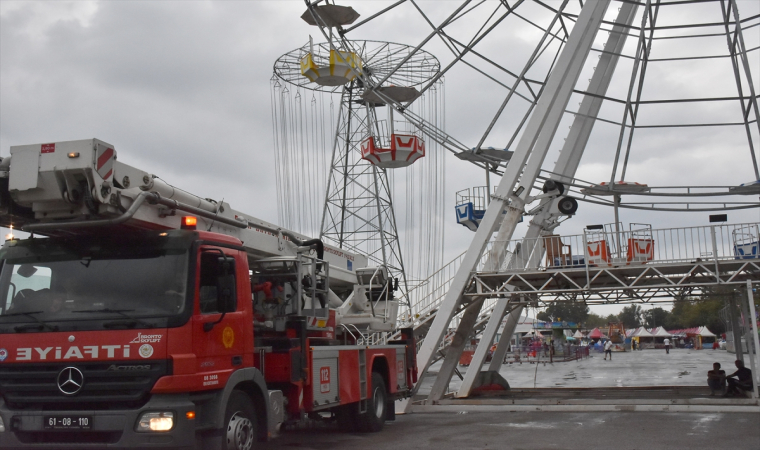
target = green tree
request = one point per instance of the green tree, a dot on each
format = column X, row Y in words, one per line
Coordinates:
column 611, row 318
column 631, row 316
column 705, row 310
column 596, row 321
column 656, row 317
column 565, row 311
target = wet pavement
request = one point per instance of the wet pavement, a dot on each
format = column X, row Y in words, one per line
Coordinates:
column 682, row 367
column 542, row 430
column 461, row 426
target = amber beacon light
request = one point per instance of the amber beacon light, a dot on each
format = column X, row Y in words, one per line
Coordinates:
column 189, row 222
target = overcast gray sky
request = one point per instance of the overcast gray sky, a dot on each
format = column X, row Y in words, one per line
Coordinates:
column 181, row 89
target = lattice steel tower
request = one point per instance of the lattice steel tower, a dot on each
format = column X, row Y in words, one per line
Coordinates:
column 369, row 144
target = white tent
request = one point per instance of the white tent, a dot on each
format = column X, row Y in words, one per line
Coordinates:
column 704, row 332
column 645, row 338
column 642, row 332
column 578, row 334
column 660, row 332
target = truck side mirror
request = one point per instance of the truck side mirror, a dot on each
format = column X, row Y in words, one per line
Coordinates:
column 225, row 285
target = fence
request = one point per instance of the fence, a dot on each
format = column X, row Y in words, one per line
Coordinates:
column 538, row 353
column 602, row 246
column 608, row 246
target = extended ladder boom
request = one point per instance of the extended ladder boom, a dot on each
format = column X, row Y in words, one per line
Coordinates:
column 69, row 187
column 80, row 188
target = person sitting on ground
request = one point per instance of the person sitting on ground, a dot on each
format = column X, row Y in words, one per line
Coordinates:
column 716, row 379
column 608, row 350
column 739, row 381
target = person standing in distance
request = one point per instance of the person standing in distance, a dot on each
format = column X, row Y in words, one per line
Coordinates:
column 608, row 350
column 667, row 345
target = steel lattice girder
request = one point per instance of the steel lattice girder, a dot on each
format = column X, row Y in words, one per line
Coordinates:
column 645, row 281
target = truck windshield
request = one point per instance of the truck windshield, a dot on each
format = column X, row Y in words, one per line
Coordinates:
column 50, row 280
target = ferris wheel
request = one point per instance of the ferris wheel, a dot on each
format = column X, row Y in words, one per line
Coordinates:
column 638, row 98
column 667, row 117
column 641, row 140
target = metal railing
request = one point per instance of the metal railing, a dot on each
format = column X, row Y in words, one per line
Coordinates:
column 427, row 296
column 538, row 353
column 606, row 247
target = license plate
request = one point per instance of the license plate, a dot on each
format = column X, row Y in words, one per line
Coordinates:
column 68, row 422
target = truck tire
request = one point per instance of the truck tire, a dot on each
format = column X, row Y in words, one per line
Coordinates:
column 240, row 423
column 377, row 407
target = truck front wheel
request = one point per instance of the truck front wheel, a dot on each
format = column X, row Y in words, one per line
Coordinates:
column 240, row 421
column 374, row 419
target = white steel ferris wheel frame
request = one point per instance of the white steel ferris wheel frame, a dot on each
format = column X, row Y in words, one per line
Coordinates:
column 524, row 168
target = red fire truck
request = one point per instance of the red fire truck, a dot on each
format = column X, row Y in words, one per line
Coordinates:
column 139, row 315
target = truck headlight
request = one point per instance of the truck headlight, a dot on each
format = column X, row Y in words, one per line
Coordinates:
column 156, row 421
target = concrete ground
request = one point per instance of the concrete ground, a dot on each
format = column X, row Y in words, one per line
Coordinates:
column 681, row 367
column 462, row 426
column 542, row 430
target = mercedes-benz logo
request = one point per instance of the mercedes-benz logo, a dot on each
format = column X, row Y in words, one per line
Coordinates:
column 70, row 380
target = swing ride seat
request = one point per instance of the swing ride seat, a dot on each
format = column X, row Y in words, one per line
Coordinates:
column 404, row 151
column 342, row 68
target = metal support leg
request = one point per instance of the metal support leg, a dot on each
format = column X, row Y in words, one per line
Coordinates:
column 750, row 335
column 486, row 339
column 506, row 337
column 735, row 327
column 454, row 352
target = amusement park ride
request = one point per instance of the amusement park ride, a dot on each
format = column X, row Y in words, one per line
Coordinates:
column 498, row 277
column 326, row 337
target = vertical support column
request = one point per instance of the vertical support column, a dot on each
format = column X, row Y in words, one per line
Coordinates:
column 754, row 358
column 735, row 327
column 715, row 253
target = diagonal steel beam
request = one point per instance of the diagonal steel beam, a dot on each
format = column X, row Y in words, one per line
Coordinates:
column 542, row 124
column 571, row 152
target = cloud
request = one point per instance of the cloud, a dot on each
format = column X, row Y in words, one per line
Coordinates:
column 181, row 89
